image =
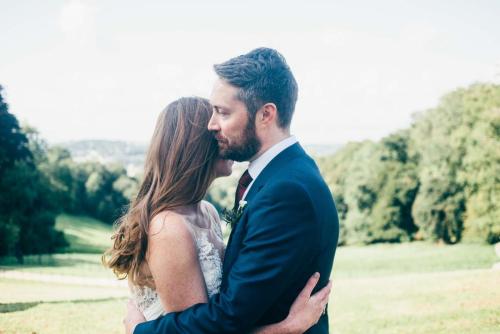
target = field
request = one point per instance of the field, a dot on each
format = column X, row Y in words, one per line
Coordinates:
column 407, row 288
column 415, row 288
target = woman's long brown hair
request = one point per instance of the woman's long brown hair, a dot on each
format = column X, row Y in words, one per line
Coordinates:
column 179, row 167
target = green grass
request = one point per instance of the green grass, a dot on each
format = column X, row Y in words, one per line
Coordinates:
column 438, row 302
column 415, row 288
column 36, row 307
column 448, row 302
column 416, row 257
column 84, row 234
column 387, row 288
column 20, row 291
column 84, row 265
column 73, row 317
column 88, row 239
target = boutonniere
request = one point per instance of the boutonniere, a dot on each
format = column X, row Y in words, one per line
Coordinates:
column 232, row 216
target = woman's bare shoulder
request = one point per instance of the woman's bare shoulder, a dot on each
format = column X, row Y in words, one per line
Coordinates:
column 169, row 225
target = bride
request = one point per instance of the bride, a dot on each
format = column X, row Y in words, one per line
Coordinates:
column 169, row 244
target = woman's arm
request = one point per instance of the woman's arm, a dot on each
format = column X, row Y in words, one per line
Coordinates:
column 173, row 262
column 305, row 311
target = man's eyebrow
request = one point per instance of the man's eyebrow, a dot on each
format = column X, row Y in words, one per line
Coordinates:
column 220, row 108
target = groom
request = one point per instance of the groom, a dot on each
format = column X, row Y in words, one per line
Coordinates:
column 289, row 227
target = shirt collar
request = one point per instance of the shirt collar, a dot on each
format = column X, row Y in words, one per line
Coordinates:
column 261, row 162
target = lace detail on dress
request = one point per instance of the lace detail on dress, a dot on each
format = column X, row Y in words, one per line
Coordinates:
column 144, row 296
column 211, row 264
column 218, row 230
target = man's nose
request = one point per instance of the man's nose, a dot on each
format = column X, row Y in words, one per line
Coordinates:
column 212, row 123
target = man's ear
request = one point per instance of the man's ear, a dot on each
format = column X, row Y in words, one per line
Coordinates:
column 267, row 115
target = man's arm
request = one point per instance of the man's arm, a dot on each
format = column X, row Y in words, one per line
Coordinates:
column 305, row 312
column 281, row 238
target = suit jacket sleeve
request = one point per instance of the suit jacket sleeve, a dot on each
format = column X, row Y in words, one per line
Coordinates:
column 282, row 235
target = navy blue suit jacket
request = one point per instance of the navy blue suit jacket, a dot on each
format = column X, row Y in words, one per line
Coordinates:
column 288, row 230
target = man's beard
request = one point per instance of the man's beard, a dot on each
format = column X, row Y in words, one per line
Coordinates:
column 245, row 150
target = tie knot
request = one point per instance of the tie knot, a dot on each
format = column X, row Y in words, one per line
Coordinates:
column 245, row 179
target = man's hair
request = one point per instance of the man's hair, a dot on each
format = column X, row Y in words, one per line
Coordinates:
column 262, row 76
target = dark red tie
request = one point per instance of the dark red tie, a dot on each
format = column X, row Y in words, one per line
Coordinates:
column 243, row 183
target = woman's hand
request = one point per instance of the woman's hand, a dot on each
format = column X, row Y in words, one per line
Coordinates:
column 133, row 317
column 306, row 309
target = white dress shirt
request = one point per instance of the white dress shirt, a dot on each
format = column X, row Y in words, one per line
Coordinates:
column 258, row 165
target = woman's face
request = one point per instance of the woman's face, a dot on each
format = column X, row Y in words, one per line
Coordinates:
column 223, row 167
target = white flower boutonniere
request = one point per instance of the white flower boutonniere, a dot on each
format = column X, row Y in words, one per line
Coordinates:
column 232, row 216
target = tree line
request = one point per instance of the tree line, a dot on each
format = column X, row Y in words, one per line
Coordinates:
column 436, row 180
column 37, row 182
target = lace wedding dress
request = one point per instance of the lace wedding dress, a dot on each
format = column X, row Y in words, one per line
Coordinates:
column 210, row 246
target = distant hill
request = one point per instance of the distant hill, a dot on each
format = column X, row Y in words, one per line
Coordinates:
column 132, row 155
column 320, row 150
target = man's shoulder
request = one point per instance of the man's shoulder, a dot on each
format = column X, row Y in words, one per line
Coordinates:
column 299, row 175
column 301, row 169
column 294, row 182
column 293, row 174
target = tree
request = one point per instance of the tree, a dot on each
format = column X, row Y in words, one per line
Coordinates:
column 374, row 186
column 13, row 150
column 458, row 152
column 13, row 142
column 27, row 215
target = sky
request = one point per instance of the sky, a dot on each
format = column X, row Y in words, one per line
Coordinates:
column 105, row 69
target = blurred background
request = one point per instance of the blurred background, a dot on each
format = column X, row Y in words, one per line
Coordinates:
column 399, row 104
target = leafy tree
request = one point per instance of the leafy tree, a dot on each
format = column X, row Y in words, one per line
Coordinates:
column 457, row 148
column 27, row 215
column 13, row 142
column 438, row 180
column 374, row 185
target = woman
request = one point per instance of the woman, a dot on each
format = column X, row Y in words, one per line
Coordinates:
column 169, row 244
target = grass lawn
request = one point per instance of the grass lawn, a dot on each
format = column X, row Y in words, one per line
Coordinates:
column 438, row 302
column 84, row 265
column 84, row 234
column 415, row 288
column 17, row 292
column 100, row 315
column 415, row 257
column 387, row 288
column 88, row 239
column 38, row 307
column 468, row 302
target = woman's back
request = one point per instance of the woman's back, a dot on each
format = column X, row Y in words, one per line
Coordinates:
column 203, row 224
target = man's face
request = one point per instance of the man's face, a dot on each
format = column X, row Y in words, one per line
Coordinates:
column 230, row 123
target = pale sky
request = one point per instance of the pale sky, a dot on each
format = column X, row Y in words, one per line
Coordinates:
column 105, row 69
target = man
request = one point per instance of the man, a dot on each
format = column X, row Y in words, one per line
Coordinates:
column 287, row 227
